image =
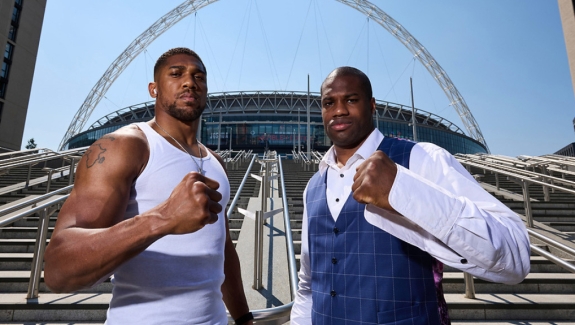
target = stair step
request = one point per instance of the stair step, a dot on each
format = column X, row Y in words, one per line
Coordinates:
column 93, row 306
column 512, row 307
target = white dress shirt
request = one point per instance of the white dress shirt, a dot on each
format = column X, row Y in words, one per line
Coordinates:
column 442, row 210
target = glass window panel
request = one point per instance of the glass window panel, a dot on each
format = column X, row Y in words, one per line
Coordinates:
column 5, row 70
column 8, row 51
column 15, row 14
column 12, row 33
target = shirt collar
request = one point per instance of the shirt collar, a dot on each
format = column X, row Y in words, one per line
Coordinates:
column 365, row 150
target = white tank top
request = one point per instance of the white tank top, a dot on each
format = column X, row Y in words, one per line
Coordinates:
column 177, row 279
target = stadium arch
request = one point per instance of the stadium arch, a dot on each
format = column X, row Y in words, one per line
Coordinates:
column 190, row 6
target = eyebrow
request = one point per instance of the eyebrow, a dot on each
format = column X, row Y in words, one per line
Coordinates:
column 344, row 96
column 183, row 67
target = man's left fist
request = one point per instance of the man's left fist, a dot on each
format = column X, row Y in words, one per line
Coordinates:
column 373, row 180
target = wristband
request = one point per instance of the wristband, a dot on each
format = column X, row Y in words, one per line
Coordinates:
column 244, row 319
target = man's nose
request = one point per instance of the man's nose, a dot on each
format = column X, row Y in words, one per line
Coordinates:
column 340, row 109
column 190, row 82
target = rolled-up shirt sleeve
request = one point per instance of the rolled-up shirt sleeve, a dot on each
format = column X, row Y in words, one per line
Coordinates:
column 444, row 211
column 301, row 309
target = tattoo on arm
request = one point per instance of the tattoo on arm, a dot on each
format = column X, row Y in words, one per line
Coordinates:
column 98, row 152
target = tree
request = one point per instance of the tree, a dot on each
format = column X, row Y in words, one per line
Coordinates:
column 31, row 144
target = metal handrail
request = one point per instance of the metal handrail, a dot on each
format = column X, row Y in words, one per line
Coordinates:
column 525, row 179
column 240, row 188
column 44, row 156
column 553, row 258
column 280, row 312
column 34, row 210
column 27, row 203
column 522, row 177
column 63, row 171
column 40, row 246
column 530, row 162
column 551, row 241
column 289, row 239
column 517, row 172
column 23, row 155
column 317, row 155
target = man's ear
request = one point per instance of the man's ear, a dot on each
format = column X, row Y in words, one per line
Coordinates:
column 152, row 89
column 372, row 103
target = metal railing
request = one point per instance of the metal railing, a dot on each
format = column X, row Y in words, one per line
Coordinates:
column 35, row 158
column 547, row 182
column 45, row 211
column 275, row 315
column 555, row 244
column 511, row 169
column 237, row 159
column 279, row 314
column 240, row 188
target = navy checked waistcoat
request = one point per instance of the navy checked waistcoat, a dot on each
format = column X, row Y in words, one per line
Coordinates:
column 362, row 274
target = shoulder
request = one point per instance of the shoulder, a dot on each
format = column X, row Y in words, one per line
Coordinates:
column 219, row 158
column 424, row 153
column 428, row 158
column 124, row 149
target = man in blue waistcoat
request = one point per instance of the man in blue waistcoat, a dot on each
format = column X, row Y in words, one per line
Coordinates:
column 382, row 216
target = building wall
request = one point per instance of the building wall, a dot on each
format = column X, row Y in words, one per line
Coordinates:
column 19, row 38
column 567, row 11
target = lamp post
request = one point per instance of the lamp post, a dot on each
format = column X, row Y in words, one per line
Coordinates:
column 230, row 137
column 298, row 133
column 220, row 130
column 413, row 120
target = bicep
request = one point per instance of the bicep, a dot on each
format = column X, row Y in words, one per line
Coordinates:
column 101, row 191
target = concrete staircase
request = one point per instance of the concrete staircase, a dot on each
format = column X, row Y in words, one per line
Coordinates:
column 84, row 307
column 547, row 296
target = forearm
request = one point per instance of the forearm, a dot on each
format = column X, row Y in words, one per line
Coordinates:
column 77, row 258
column 479, row 230
column 301, row 309
column 507, row 268
column 232, row 289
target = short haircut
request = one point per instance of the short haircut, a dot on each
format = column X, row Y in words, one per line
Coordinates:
column 171, row 52
column 351, row 71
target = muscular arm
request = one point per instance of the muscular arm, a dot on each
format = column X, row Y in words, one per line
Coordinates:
column 91, row 238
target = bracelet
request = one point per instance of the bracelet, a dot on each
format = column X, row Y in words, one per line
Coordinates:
column 244, row 319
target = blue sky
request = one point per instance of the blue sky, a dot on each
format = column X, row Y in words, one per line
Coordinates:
column 507, row 59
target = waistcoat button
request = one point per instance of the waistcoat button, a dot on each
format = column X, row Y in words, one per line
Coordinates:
column 335, row 230
column 333, row 293
column 334, row 260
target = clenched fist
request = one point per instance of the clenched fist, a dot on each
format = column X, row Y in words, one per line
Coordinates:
column 192, row 205
column 373, row 180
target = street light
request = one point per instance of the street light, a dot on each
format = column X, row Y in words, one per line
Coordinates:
column 230, row 137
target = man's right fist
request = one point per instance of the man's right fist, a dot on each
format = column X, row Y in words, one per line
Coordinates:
column 192, row 204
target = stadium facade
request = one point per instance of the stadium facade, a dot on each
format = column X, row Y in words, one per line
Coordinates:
column 254, row 120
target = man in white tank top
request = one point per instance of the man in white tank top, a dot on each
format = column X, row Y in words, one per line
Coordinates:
column 147, row 206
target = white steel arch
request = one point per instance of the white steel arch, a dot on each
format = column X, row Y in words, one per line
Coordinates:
column 190, row 6
column 119, row 65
